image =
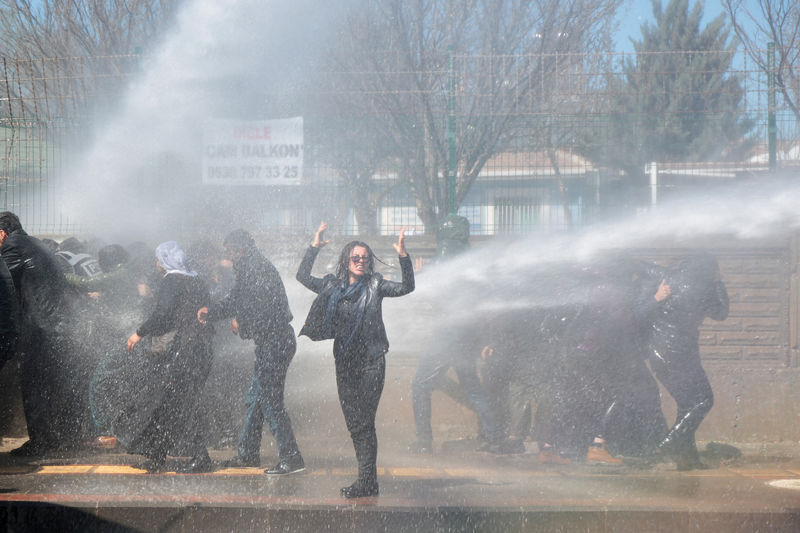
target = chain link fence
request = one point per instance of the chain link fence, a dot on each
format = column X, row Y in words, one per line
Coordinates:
column 549, row 170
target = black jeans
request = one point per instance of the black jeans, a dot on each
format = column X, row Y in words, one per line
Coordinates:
column 359, row 379
column 264, row 399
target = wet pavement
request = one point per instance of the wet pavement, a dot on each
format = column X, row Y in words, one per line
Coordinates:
column 460, row 490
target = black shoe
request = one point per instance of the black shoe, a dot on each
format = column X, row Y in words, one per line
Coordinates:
column 488, row 447
column 689, row 461
column 242, row 462
column 360, row 489
column 291, row 465
column 684, row 466
column 421, row 447
column 153, row 465
column 201, row 464
column 30, row 449
column 512, row 446
column 507, row 446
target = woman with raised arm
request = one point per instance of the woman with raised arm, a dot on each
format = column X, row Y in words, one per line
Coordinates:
column 348, row 310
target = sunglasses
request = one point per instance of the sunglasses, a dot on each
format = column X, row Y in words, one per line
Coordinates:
column 359, row 259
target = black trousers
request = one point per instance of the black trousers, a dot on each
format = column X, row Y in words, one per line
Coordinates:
column 53, row 394
column 683, row 376
column 359, row 379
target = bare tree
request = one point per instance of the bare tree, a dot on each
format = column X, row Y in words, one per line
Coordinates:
column 73, row 50
column 776, row 21
column 482, row 66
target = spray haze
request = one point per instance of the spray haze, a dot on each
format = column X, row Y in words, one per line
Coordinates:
column 547, row 270
column 221, row 60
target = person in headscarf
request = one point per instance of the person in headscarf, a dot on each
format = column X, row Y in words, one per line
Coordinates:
column 348, row 310
column 160, row 415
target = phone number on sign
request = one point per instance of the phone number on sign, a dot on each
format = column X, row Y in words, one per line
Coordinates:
column 273, row 172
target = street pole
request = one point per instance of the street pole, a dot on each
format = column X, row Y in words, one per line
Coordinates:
column 772, row 128
column 451, row 132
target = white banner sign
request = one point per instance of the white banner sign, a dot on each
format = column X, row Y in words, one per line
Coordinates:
column 253, row 152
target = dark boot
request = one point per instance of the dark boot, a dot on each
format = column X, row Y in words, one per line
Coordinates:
column 199, row 464
column 421, row 447
column 361, row 489
column 155, row 464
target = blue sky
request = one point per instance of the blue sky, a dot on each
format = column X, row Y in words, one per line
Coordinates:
column 634, row 13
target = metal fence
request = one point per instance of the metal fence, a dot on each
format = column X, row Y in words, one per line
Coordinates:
column 543, row 175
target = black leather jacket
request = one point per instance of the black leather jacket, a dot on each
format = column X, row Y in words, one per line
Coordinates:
column 372, row 329
column 42, row 292
column 258, row 298
column 673, row 325
column 8, row 302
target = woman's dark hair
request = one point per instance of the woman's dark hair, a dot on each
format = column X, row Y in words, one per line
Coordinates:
column 239, row 239
column 343, row 268
column 111, row 256
column 51, row 244
column 142, row 258
column 73, row 245
column 700, row 267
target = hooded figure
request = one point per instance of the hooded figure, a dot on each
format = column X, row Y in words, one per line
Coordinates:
column 696, row 292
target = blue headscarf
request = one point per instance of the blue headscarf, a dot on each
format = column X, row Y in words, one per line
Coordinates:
column 172, row 258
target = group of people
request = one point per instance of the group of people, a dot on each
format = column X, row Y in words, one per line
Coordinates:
column 583, row 365
column 144, row 393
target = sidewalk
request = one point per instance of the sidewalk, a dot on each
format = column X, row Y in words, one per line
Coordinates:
column 459, row 491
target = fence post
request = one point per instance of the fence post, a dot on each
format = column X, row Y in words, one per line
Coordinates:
column 794, row 300
column 451, row 132
column 138, row 59
column 652, row 169
column 772, row 128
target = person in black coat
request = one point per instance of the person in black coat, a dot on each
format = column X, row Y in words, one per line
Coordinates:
column 260, row 311
column 684, row 297
column 161, row 415
column 50, row 376
column 348, row 310
column 8, row 315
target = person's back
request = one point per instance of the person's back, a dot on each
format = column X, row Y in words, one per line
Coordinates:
column 50, row 377
column 696, row 293
column 8, row 314
column 259, row 294
column 83, row 265
column 43, row 293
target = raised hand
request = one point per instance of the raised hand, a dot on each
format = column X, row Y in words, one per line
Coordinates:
column 318, row 242
column 663, row 291
column 400, row 245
